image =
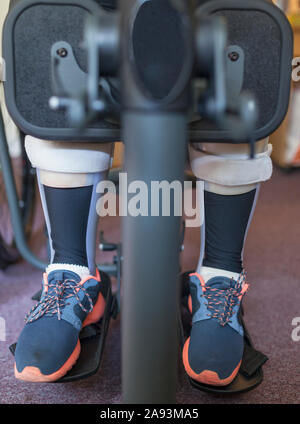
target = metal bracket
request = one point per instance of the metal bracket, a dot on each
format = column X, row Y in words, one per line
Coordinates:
column 235, row 65
column 113, row 269
column 67, row 77
column 70, row 86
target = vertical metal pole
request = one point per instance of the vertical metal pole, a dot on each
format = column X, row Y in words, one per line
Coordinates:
column 155, row 150
column 13, row 202
column 154, row 133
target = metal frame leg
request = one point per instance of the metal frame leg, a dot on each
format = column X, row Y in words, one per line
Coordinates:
column 155, row 150
column 13, row 202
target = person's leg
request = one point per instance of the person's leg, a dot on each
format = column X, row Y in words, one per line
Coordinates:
column 68, row 175
column 213, row 353
column 71, row 217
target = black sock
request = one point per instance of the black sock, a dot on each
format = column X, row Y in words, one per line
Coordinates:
column 68, row 212
column 226, row 221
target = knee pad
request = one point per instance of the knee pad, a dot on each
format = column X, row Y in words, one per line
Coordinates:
column 69, row 157
column 68, row 164
column 229, row 165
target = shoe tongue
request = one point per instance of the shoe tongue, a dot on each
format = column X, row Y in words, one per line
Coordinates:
column 62, row 275
column 220, row 283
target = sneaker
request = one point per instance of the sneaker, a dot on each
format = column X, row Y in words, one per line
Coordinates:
column 213, row 353
column 49, row 345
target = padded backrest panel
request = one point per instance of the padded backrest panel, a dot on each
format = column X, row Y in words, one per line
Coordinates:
column 29, row 33
column 33, row 66
column 32, row 27
column 260, row 38
column 266, row 41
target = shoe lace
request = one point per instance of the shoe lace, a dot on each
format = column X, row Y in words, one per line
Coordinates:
column 54, row 300
column 221, row 302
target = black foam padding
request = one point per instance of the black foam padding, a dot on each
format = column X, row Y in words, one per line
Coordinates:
column 159, row 47
column 36, row 30
column 259, row 36
column 32, row 35
column 32, row 59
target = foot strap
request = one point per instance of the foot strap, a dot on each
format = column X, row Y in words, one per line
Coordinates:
column 90, row 331
column 252, row 361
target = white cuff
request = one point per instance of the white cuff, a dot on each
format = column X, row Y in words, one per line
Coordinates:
column 69, row 157
column 231, row 170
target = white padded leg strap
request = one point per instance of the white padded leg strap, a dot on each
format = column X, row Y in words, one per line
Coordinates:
column 69, row 157
column 229, row 165
column 65, row 180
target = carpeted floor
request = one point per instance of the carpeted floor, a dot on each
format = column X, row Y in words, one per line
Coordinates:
column 272, row 259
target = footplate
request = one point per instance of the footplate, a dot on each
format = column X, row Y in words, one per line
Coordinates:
column 250, row 374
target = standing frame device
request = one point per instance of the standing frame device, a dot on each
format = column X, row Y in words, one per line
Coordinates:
column 220, row 73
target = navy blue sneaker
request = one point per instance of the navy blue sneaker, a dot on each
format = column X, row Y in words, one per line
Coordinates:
column 49, row 345
column 213, row 353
